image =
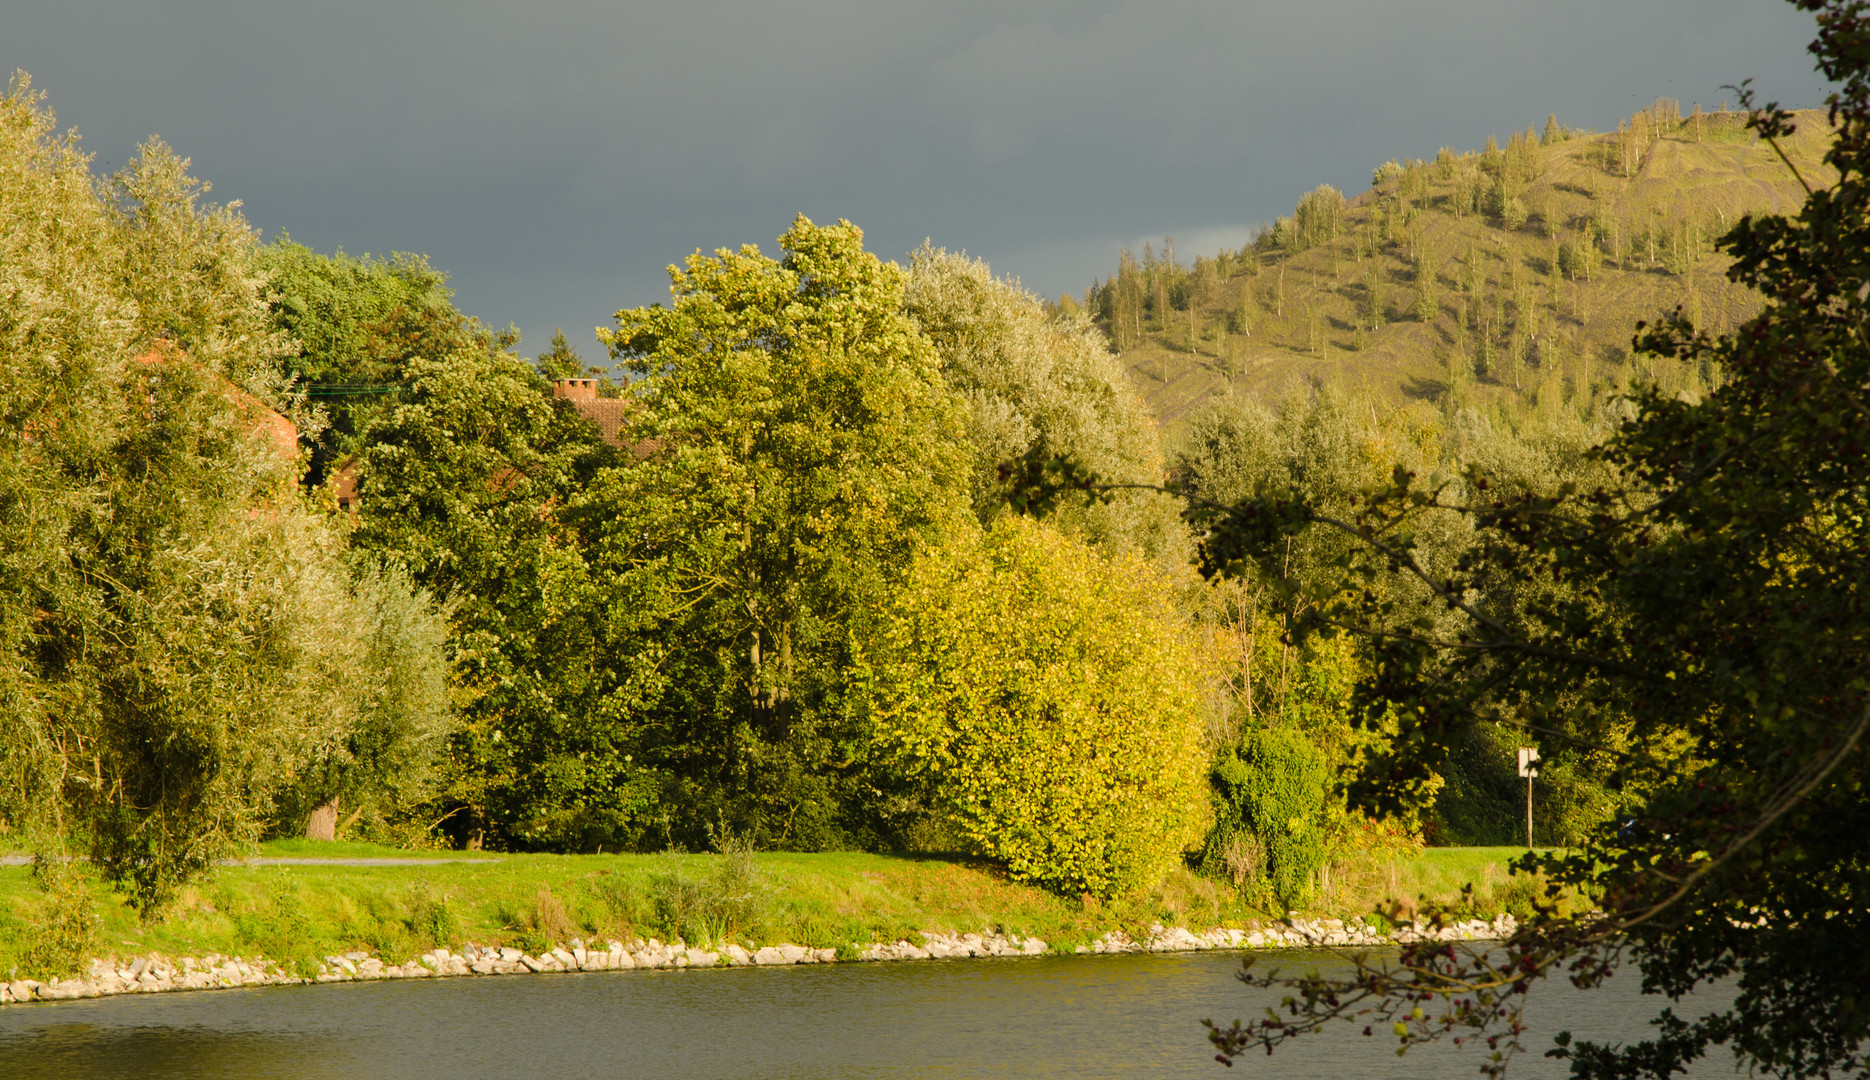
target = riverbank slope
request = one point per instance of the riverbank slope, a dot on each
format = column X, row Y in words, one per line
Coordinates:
column 301, row 903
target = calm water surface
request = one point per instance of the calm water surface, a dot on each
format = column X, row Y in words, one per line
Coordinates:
column 1111, row 1016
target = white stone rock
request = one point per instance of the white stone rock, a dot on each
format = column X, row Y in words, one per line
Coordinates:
column 1032, row 947
column 737, row 956
column 770, row 955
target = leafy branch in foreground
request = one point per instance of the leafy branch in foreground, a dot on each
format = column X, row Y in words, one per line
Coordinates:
column 1705, row 606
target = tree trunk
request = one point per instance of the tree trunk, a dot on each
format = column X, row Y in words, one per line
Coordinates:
column 323, row 823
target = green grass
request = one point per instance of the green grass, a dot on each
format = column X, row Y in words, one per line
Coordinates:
column 299, row 848
column 300, row 913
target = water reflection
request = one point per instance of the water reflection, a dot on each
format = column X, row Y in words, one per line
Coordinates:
column 1120, row 1016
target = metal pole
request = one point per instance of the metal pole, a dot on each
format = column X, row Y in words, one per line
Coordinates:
column 1529, row 810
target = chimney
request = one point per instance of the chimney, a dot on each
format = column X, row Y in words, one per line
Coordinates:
column 575, row 389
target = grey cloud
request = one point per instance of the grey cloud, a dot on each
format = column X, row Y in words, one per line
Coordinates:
column 554, row 156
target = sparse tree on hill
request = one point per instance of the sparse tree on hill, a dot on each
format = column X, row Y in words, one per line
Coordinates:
column 1241, row 318
column 1491, row 157
column 1318, row 217
column 1426, row 307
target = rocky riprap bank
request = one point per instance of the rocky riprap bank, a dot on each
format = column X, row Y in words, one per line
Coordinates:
column 156, row 974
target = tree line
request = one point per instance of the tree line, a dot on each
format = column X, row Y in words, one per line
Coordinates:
column 524, row 635
column 787, row 602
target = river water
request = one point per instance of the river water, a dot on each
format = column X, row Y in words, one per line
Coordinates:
column 1093, row 1016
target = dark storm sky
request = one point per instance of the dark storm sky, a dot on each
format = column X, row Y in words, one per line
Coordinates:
column 554, row 156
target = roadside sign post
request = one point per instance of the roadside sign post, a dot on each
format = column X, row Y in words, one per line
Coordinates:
column 1528, row 757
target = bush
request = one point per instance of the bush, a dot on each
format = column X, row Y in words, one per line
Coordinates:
column 720, row 907
column 1046, row 697
column 1269, row 835
column 65, row 933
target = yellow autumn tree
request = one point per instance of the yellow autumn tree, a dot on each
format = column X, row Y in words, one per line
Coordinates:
column 1048, row 696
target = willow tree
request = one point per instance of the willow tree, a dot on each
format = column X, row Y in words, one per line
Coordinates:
column 178, row 633
column 1029, row 379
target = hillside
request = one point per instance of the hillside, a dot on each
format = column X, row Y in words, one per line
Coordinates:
column 1518, row 270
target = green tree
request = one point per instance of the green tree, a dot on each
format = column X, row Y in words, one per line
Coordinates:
column 561, row 361
column 389, row 759
column 1274, row 791
column 358, row 322
column 807, row 446
column 471, row 481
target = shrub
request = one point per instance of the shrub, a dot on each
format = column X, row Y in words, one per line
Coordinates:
column 65, row 933
column 1046, row 697
column 722, row 906
column 1269, row 836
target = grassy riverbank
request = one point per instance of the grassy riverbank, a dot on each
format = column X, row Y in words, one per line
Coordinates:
column 295, row 913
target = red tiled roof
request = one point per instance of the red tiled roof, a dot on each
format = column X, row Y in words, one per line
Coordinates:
column 282, row 433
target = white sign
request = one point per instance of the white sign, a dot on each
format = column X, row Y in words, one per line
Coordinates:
column 1528, row 755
